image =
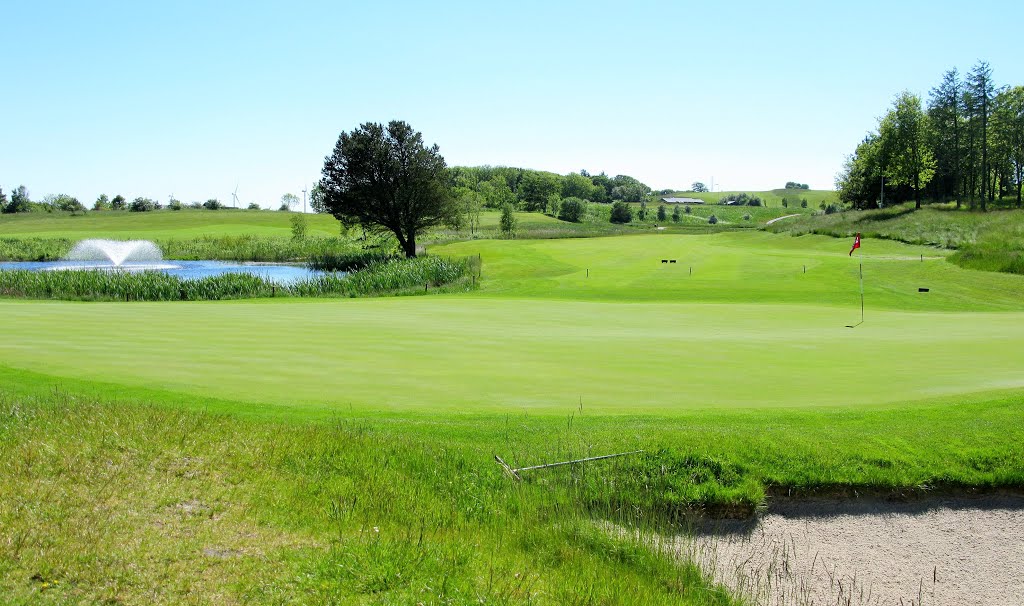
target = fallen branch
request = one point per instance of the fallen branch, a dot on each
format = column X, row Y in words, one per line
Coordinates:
column 514, row 472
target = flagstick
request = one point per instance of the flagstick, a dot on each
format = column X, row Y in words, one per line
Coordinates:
column 861, row 297
column 862, row 293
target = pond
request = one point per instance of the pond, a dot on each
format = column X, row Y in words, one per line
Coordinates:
column 274, row 272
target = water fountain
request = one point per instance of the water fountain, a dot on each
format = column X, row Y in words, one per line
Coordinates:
column 143, row 255
column 116, row 254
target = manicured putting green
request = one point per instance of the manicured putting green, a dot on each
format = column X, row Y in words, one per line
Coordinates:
column 634, row 337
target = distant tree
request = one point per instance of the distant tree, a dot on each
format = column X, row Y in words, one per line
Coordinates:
column 1009, row 118
column 621, row 212
column 195, row 205
column 469, row 205
column 981, row 90
column 579, row 186
column 3, row 200
column 101, row 203
column 20, row 202
column 689, row 210
column 141, row 205
column 785, row 203
column 573, row 210
column 213, row 204
column 289, row 200
column 496, row 192
column 316, row 199
column 554, row 201
column 754, row 201
column 629, row 189
column 118, row 202
column 795, row 185
column 803, row 203
column 508, row 221
column 65, row 203
column 662, row 214
column 536, row 189
column 903, row 133
column 712, row 220
column 945, row 133
column 643, row 211
column 298, row 226
column 698, row 187
column 676, row 218
column 175, row 204
column 254, row 206
column 385, row 179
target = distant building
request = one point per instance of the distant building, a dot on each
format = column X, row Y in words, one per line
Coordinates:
column 682, row 201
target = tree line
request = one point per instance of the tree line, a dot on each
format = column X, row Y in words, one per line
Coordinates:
column 19, row 202
column 965, row 144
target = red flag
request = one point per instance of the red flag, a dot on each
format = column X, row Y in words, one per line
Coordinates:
column 856, row 244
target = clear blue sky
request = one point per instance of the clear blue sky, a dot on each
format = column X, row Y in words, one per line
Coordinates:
column 190, row 98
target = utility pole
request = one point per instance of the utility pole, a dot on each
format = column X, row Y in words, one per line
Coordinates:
column 303, row 200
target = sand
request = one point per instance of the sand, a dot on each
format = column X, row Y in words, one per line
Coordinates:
column 937, row 552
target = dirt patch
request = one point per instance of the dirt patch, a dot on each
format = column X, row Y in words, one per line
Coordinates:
column 964, row 550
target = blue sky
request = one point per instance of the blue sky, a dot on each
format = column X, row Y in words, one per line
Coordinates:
column 190, row 98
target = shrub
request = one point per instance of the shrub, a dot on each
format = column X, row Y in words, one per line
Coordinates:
column 754, row 201
column 803, row 203
column 746, row 217
column 254, row 206
column 298, row 226
column 662, row 213
column 213, row 204
column 785, row 203
column 141, row 205
column 621, row 212
column 675, row 214
column 508, row 221
column 572, row 210
column 689, row 210
column 175, row 205
column 712, row 220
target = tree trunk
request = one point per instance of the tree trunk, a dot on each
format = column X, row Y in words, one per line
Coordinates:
column 409, row 246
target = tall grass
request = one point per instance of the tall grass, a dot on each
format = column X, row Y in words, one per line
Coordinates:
column 132, row 503
column 211, row 248
column 399, row 276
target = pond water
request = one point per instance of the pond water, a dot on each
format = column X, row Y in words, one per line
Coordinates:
column 274, row 272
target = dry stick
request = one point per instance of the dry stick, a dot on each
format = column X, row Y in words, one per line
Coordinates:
column 515, row 472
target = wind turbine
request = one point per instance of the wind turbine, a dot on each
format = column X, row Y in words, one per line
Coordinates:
column 234, row 197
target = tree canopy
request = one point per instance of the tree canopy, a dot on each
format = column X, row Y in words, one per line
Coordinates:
column 384, row 178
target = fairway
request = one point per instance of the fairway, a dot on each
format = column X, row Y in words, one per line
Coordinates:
column 540, row 335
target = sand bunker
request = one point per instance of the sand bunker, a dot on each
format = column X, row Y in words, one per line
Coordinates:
column 944, row 551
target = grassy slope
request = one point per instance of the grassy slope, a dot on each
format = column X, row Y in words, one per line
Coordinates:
column 163, row 224
column 540, row 365
column 771, row 198
column 991, row 241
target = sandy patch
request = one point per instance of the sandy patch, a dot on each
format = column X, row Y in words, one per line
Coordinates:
column 946, row 551
column 776, row 219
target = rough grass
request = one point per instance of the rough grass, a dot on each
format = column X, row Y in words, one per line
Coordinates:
column 991, row 241
column 384, row 277
column 129, row 503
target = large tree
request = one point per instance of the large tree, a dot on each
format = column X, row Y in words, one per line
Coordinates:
column 980, row 94
column 946, row 118
column 385, row 179
column 903, row 133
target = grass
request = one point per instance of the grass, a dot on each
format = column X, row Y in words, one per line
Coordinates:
column 162, row 224
column 258, row 438
column 141, row 504
column 771, row 198
column 992, row 241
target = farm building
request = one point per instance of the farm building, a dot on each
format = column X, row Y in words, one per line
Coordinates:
column 682, row 201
